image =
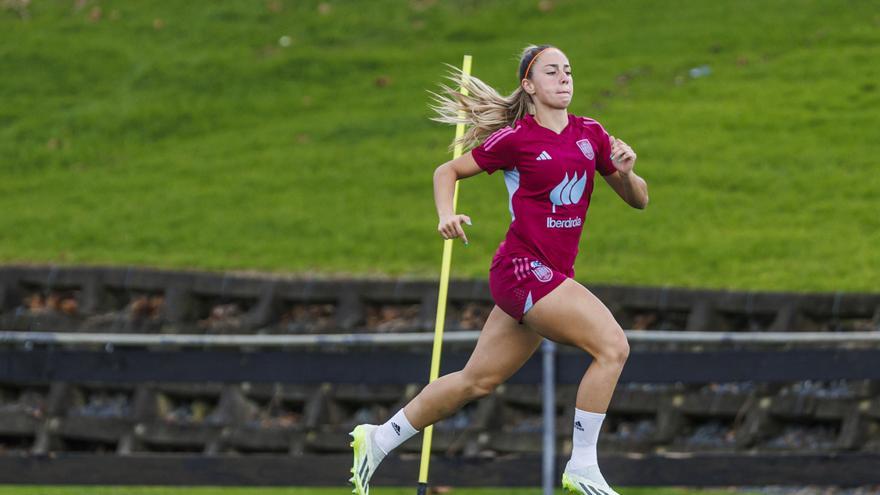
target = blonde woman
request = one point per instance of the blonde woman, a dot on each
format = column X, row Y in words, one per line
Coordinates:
column 549, row 158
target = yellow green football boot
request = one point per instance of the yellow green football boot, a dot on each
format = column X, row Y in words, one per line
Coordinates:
column 586, row 482
column 367, row 457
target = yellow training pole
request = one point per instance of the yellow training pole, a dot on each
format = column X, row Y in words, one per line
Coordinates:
column 441, row 302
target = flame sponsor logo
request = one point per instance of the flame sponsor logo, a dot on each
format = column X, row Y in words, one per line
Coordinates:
column 586, row 148
column 541, row 272
column 569, row 191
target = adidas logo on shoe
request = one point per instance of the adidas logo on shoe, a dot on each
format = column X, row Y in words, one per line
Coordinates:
column 578, row 425
column 396, row 428
column 544, row 156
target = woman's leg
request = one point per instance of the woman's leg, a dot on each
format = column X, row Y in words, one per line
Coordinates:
column 572, row 315
column 503, row 347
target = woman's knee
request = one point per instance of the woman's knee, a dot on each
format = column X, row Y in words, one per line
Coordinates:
column 613, row 350
column 479, row 386
column 616, row 350
column 621, row 349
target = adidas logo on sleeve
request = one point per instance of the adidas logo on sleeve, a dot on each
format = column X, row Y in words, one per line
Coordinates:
column 544, row 156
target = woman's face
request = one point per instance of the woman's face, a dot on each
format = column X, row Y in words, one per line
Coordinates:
column 551, row 83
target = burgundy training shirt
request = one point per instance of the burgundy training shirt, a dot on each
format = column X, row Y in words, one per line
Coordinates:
column 549, row 179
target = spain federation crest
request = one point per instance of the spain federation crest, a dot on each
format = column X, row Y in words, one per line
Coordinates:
column 541, row 272
column 586, row 148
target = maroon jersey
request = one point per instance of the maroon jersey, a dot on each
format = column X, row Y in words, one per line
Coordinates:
column 549, row 179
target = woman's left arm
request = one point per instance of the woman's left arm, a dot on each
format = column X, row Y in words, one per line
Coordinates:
column 629, row 186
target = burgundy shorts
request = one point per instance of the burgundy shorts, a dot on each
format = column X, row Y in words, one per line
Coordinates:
column 517, row 282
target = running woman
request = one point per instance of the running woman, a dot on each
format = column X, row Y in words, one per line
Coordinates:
column 549, row 158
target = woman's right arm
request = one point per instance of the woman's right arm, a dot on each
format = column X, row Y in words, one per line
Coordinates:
column 444, row 187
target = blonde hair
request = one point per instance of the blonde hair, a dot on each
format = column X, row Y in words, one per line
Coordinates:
column 483, row 110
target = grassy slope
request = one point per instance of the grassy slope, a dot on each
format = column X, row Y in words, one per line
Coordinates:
column 205, row 144
column 46, row 490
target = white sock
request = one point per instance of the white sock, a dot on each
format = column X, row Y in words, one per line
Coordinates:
column 394, row 432
column 586, row 436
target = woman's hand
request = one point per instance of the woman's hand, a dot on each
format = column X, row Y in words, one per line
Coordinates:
column 450, row 226
column 622, row 156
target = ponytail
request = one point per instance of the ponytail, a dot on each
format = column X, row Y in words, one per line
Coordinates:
column 483, row 110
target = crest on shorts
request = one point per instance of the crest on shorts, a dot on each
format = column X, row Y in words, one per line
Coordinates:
column 541, row 272
column 586, row 148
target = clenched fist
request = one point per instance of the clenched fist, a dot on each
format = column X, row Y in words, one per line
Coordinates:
column 622, row 156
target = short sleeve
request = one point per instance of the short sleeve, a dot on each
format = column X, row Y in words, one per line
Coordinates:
column 603, row 157
column 497, row 151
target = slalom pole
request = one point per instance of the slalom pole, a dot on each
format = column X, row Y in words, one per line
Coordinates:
column 441, row 300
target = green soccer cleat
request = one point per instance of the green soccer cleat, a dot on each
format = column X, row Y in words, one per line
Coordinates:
column 589, row 483
column 366, row 459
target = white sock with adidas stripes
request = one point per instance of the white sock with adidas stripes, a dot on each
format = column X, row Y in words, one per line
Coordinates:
column 394, row 432
column 586, row 436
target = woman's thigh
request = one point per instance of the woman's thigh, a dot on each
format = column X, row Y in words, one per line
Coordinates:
column 503, row 347
column 573, row 315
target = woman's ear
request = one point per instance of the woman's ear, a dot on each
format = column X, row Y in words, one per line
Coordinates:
column 528, row 86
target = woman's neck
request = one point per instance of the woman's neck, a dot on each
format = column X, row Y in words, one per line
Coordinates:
column 554, row 119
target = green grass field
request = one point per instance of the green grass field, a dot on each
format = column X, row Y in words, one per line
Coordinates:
column 184, row 135
column 92, row 490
